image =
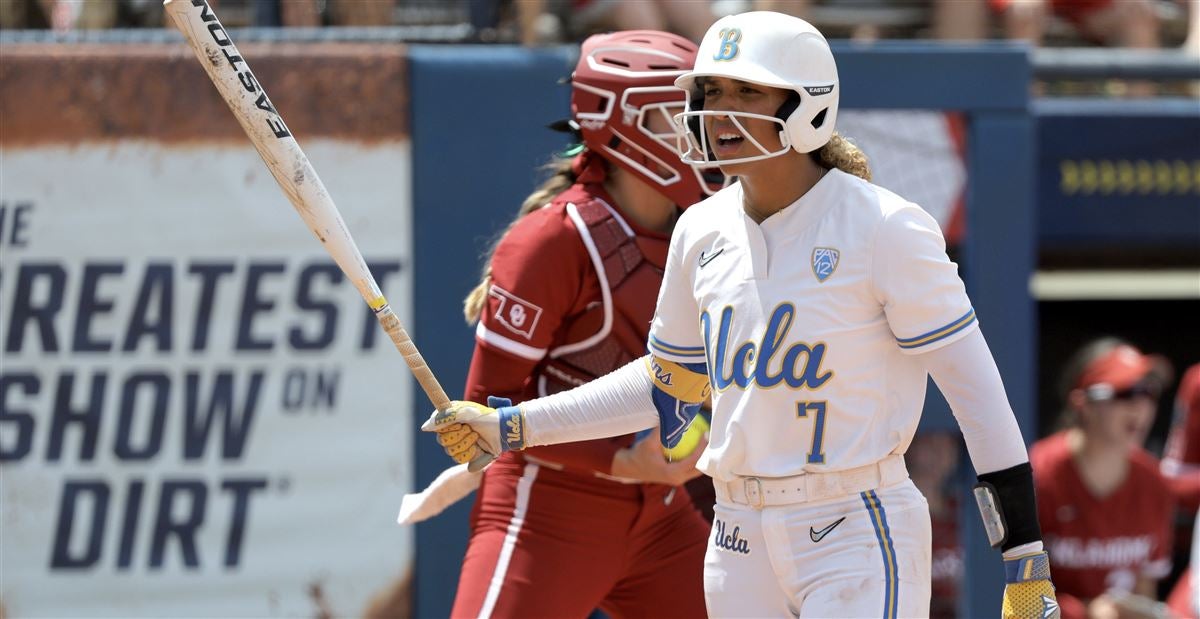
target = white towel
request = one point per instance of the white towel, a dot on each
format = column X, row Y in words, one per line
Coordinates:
column 449, row 488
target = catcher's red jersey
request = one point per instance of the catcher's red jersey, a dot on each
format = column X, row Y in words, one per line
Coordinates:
column 572, row 293
column 1101, row 543
column 551, row 318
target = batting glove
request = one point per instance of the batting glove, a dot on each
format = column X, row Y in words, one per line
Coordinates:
column 471, row 432
column 1029, row 594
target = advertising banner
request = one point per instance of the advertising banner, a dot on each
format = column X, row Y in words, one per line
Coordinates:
column 199, row 416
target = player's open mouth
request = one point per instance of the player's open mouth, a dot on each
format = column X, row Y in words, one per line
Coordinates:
column 728, row 142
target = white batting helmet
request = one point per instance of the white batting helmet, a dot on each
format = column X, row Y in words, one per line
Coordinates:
column 768, row 49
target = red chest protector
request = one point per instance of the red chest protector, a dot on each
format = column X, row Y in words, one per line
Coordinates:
column 612, row 330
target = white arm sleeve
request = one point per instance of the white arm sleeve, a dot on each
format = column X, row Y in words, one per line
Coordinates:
column 967, row 375
column 614, row 404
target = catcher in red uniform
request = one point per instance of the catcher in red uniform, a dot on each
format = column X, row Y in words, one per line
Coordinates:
column 567, row 297
column 1106, row 510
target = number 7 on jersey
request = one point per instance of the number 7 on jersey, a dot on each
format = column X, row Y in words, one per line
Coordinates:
column 816, row 455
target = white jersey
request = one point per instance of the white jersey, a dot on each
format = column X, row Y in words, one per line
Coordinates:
column 808, row 324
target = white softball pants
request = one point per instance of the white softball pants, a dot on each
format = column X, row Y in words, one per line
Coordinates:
column 874, row 562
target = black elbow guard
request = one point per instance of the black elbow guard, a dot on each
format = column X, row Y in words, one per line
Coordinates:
column 1008, row 506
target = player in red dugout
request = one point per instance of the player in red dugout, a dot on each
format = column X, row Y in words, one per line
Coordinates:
column 567, row 297
column 1106, row 511
column 1181, row 460
column 1181, row 466
column 812, row 306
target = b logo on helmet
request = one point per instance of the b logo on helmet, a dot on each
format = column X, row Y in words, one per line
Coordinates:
column 729, row 43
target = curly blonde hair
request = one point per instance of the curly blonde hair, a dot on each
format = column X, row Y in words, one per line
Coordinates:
column 840, row 153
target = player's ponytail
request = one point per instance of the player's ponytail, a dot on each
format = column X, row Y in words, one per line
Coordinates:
column 561, row 178
column 842, row 154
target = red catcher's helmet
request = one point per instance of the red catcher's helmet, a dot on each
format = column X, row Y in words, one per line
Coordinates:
column 624, row 98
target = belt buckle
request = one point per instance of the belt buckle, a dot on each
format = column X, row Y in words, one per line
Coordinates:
column 754, row 492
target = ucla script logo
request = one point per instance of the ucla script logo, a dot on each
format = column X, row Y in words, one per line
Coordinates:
column 731, row 542
column 515, row 434
column 752, row 362
column 661, row 374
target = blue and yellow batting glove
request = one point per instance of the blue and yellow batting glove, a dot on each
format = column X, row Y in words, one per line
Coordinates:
column 1029, row 594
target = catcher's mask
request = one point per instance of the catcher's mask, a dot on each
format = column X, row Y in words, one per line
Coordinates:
column 623, row 103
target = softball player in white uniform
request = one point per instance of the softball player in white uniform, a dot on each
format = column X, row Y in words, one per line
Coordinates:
column 813, row 305
column 797, row 320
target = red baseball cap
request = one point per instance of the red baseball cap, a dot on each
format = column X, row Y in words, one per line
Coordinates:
column 1120, row 369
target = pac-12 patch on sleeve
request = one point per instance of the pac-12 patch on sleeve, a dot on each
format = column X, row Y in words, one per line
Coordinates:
column 520, row 316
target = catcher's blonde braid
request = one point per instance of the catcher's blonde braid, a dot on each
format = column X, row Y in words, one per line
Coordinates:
column 842, row 154
column 561, row 179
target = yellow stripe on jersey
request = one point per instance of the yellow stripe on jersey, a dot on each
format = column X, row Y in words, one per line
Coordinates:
column 941, row 333
column 677, row 380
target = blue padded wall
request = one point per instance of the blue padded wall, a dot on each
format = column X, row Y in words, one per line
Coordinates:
column 478, row 117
